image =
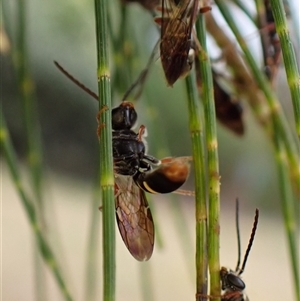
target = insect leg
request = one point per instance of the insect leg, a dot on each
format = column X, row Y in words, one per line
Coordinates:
column 101, row 125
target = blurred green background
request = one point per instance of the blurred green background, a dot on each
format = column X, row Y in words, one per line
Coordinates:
column 65, row 32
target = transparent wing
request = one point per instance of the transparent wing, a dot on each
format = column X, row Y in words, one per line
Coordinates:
column 134, row 218
column 177, row 22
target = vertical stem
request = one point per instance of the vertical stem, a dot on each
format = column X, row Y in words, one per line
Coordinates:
column 32, row 134
column 291, row 146
column 43, row 245
column 106, row 158
column 261, row 22
column 213, row 163
column 196, row 131
column 290, row 215
column 289, row 57
column 93, row 249
column 244, row 8
column 34, row 148
column 283, row 140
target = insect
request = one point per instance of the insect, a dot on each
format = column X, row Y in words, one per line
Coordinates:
column 177, row 47
column 177, row 44
column 135, row 173
column 229, row 111
column 232, row 285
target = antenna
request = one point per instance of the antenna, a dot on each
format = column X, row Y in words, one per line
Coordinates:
column 250, row 241
column 75, row 81
column 238, row 234
column 140, row 80
column 143, row 76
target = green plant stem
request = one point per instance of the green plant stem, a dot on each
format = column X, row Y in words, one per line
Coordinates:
column 106, row 157
column 277, row 115
column 93, row 248
column 159, row 144
column 213, row 163
column 123, row 53
column 290, row 214
column 280, row 131
column 112, row 35
column 45, row 249
column 261, row 22
column 246, row 86
column 33, row 135
column 196, row 131
column 34, row 147
column 289, row 57
column 244, row 8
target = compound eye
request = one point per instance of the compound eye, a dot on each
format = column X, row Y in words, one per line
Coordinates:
column 235, row 282
column 124, row 116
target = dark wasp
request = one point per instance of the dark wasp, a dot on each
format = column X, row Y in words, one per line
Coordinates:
column 135, row 173
column 232, row 285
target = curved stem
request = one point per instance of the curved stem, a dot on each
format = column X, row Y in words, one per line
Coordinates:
column 43, row 245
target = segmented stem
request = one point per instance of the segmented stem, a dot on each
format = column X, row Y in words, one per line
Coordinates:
column 43, row 245
column 277, row 115
column 283, row 142
column 106, row 157
column 290, row 213
column 196, row 130
column 289, row 57
column 213, row 163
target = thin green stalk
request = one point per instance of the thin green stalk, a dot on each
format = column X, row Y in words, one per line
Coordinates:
column 280, row 129
column 289, row 57
column 261, row 22
column 244, row 8
column 196, row 130
column 45, row 249
column 106, row 157
column 123, row 53
column 34, row 147
column 246, row 86
column 213, row 163
column 278, row 117
column 290, row 215
column 162, row 149
column 33, row 135
column 112, row 36
column 93, row 249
